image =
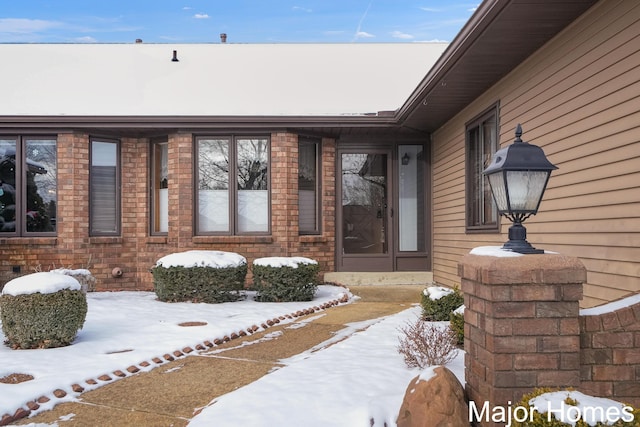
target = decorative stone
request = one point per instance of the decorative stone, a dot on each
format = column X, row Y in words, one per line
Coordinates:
column 20, row 413
column 6, row 420
column 59, row 393
column 434, row 400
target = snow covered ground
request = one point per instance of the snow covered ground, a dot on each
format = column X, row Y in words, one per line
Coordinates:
column 356, row 381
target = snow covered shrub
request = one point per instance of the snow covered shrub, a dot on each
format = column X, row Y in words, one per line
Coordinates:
column 283, row 279
column 572, row 408
column 424, row 344
column 438, row 302
column 42, row 310
column 456, row 322
column 200, row 276
column 82, row 275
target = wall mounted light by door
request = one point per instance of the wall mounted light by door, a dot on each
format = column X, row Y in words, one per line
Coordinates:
column 405, row 159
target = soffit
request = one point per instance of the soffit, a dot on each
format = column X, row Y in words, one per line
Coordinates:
column 499, row 36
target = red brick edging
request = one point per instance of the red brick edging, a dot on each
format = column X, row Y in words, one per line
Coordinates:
column 78, row 389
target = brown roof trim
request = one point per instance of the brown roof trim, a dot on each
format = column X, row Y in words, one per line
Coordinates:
column 141, row 123
column 496, row 39
column 460, row 45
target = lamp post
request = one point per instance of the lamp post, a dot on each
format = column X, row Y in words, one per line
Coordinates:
column 518, row 175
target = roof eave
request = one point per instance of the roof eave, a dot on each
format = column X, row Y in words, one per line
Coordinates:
column 496, row 39
column 153, row 124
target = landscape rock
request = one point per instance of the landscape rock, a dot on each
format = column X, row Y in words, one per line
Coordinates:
column 434, row 399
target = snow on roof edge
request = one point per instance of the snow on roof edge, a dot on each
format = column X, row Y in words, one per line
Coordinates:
column 252, row 79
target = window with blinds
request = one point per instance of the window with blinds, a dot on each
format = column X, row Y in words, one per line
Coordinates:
column 104, row 188
column 308, row 186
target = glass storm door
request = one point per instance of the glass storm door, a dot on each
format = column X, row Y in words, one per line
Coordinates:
column 364, row 241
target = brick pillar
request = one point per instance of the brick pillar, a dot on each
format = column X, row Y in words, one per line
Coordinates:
column 522, row 326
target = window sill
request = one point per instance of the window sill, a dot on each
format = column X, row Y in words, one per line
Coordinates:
column 158, row 240
column 37, row 241
column 312, row 239
column 201, row 240
column 105, row 240
column 480, row 230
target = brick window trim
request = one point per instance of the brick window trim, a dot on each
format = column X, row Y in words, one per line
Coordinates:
column 29, row 241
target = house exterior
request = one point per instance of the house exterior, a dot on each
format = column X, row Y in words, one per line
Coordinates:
column 116, row 155
column 364, row 157
column 577, row 98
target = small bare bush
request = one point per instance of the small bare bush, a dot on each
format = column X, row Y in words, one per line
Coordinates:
column 425, row 344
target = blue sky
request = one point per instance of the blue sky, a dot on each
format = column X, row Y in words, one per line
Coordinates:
column 245, row 21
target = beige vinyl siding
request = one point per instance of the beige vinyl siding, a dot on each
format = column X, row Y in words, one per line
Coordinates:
column 579, row 99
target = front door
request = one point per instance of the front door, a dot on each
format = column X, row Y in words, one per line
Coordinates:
column 365, row 231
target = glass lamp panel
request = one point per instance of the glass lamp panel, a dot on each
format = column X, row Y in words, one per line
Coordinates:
column 525, row 189
column 499, row 190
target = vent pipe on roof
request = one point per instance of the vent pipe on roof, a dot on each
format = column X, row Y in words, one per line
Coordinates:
column 223, row 37
column 175, row 56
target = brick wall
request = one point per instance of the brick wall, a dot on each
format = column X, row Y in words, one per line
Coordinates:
column 135, row 250
column 523, row 330
column 521, row 325
column 610, row 354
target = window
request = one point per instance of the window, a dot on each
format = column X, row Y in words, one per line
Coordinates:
column 104, row 188
column 28, row 186
column 308, row 186
column 233, row 185
column 411, row 198
column 159, row 187
column 482, row 142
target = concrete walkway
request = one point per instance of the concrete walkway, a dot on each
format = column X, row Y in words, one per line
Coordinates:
column 172, row 394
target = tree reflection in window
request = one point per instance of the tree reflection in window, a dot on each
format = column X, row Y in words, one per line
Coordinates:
column 31, row 206
column 252, row 164
column 233, row 191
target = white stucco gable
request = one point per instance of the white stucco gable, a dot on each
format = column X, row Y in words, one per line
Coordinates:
column 210, row 79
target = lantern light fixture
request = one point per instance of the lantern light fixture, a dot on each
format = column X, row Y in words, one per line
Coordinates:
column 518, row 175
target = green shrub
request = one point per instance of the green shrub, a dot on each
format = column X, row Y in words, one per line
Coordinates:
column 42, row 320
column 199, row 284
column 537, row 419
column 438, row 310
column 285, row 283
column 456, row 323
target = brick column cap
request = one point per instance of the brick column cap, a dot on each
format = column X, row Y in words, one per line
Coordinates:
column 548, row 268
